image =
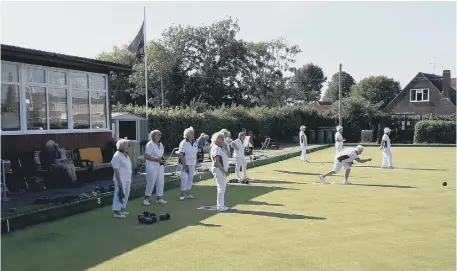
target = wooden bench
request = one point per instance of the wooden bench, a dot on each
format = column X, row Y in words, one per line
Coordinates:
column 95, row 158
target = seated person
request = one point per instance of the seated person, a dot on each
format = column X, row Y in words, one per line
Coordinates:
column 202, row 142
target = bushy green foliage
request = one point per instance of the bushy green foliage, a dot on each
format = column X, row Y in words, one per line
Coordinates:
column 435, row 131
column 279, row 123
column 358, row 114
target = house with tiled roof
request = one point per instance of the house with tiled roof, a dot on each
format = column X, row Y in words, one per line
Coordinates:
column 425, row 94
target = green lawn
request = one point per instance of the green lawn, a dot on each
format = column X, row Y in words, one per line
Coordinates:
column 400, row 219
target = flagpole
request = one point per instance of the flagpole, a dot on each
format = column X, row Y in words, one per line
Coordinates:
column 145, row 62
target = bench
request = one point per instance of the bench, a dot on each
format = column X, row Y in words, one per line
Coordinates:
column 94, row 158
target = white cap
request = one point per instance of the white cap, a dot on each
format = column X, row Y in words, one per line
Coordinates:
column 339, row 127
column 387, row 130
column 359, row 148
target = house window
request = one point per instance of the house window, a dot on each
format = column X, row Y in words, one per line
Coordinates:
column 58, row 109
column 37, row 98
column 419, row 95
column 36, row 108
column 36, row 75
column 10, row 98
column 80, row 102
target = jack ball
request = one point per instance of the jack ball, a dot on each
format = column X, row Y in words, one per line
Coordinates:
column 444, row 183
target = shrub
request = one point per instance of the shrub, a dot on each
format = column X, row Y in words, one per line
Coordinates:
column 279, row 123
column 435, row 131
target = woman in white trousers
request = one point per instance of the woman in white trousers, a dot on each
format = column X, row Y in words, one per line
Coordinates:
column 155, row 166
column 303, row 143
column 339, row 139
column 219, row 168
column 188, row 149
column 241, row 162
column 122, row 178
column 386, row 150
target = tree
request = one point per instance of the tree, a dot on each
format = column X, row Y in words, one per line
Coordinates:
column 376, row 89
column 265, row 81
column 357, row 114
column 119, row 55
column 211, row 65
column 332, row 92
column 308, row 82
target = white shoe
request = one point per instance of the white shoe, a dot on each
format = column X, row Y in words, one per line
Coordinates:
column 189, row 197
column 120, row 215
column 321, row 177
column 161, row 201
column 347, row 182
column 222, row 209
column 146, row 202
column 125, row 213
column 182, row 198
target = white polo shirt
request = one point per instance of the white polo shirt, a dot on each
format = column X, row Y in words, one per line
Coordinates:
column 386, row 138
column 338, row 145
column 241, row 147
column 155, row 150
column 349, row 156
column 123, row 163
column 300, row 135
column 218, row 151
column 190, row 150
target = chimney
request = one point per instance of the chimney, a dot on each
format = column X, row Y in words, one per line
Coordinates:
column 446, row 85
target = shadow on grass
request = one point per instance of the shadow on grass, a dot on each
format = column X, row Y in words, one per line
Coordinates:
column 277, row 215
column 405, row 168
column 385, row 185
column 257, row 203
column 206, row 225
column 298, row 173
column 95, row 237
column 275, row 182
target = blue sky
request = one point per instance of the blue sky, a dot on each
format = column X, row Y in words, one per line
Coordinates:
column 397, row 39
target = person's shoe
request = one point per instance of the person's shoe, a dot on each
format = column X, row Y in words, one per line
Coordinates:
column 161, row 201
column 120, row 215
column 347, row 182
column 190, row 197
column 125, row 213
column 222, row 209
column 146, row 202
column 182, row 198
column 321, row 177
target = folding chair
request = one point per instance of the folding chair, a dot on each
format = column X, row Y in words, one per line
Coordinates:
column 141, row 163
column 173, row 154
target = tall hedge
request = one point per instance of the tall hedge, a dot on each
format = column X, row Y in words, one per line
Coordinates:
column 279, row 123
column 435, row 131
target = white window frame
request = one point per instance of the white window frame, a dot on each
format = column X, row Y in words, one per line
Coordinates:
column 23, row 82
column 421, row 91
column 21, row 112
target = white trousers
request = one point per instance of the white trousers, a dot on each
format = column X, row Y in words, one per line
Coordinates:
column 119, row 205
column 154, row 177
column 303, row 153
column 187, row 178
column 241, row 163
column 221, row 183
column 386, row 158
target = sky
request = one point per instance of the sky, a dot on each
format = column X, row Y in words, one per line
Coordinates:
column 396, row 39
